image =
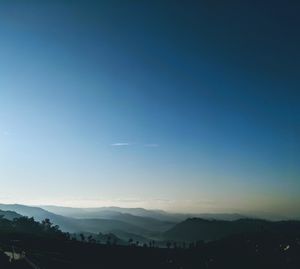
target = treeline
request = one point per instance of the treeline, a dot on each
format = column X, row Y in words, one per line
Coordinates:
column 24, row 226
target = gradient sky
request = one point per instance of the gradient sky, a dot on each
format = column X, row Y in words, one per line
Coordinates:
column 188, row 106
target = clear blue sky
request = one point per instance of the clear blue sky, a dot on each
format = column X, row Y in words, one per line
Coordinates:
column 179, row 105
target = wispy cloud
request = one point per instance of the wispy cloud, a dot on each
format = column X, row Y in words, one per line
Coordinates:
column 124, row 144
column 120, row 144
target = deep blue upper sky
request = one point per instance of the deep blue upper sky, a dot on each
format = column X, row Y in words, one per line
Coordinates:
column 180, row 105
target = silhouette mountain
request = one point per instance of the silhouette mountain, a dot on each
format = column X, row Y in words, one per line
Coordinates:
column 194, row 229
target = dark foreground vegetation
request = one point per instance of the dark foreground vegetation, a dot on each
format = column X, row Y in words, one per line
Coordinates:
column 43, row 245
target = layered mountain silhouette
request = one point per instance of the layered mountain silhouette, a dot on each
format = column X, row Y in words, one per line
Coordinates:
column 148, row 219
column 142, row 225
column 112, row 212
column 77, row 225
column 124, row 225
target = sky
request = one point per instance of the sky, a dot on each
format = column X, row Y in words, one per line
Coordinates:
column 186, row 106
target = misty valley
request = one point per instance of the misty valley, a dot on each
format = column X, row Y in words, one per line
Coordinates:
column 112, row 237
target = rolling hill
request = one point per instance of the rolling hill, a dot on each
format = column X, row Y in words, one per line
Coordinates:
column 194, row 229
column 116, row 212
column 10, row 215
column 141, row 220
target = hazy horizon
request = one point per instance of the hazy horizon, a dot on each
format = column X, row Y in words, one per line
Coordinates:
column 246, row 214
column 185, row 107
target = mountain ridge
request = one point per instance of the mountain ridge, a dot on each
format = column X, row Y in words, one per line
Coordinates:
column 194, row 229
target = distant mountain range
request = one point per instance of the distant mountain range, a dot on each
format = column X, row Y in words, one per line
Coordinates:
column 147, row 219
column 112, row 212
column 135, row 223
column 77, row 225
column 123, row 225
column 143, row 225
column 101, row 212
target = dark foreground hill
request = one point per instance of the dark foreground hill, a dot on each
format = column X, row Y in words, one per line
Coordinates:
column 194, row 229
column 43, row 245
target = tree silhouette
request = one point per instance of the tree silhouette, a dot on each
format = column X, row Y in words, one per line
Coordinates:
column 47, row 223
column 82, row 237
column 90, row 239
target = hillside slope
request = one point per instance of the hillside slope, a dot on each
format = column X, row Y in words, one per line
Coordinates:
column 194, row 229
column 10, row 215
column 74, row 225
